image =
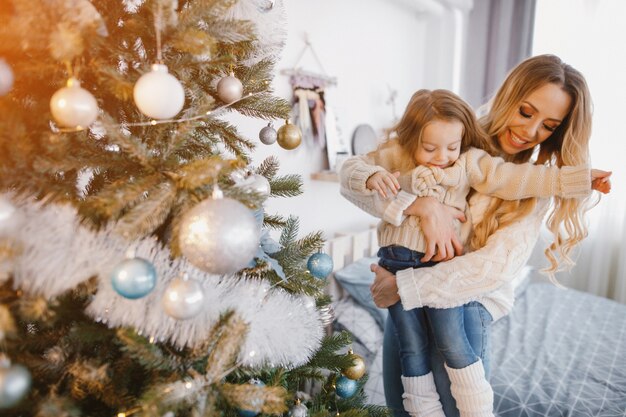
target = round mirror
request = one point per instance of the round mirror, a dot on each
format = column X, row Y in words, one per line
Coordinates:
column 363, row 140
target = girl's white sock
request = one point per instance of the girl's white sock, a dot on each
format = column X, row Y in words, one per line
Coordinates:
column 471, row 390
column 420, row 398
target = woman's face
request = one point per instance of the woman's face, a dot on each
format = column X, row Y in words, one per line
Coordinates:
column 536, row 117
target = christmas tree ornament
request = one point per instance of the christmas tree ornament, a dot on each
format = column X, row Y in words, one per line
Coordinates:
column 133, row 278
column 6, row 77
column 183, row 298
column 158, row 94
column 266, row 5
column 345, row 387
column 229, row 88
column 268, row 135
column 298, row 409
column 289, row 136
column 258, row 184
column 357, row 370
column 219, row 235
column 15, row 381
column 73, row 106
column 327, row 314
column 320, row 265
column 256, row 403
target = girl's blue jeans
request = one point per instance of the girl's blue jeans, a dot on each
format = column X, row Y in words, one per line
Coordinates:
column 459, row 335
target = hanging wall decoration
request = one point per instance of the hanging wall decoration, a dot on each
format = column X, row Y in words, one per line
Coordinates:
column 311, row 111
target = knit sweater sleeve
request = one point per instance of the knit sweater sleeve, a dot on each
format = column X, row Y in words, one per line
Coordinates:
column 352, row 178
column 468, row 277
column 510, row 181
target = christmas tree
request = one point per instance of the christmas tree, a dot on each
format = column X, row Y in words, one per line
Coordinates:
column 138, row 274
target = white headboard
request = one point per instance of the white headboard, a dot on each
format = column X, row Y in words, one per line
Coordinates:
column 345, row 249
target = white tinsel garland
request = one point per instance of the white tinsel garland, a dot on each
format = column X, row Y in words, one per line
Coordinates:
column 270, row 19
column 58, row 253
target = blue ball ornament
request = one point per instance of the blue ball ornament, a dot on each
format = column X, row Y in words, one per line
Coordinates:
column 133, row 278
column 320, row 265
column 256, row 402
column 345, row 387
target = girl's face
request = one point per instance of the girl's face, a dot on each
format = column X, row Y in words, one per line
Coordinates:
column 537, row 116
column 441, row 144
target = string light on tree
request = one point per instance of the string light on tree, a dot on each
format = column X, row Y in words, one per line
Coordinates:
column 219, row 235
column 133, row 278
column 158, row 94
column 320, row 265
column 289, row 136
column 268, row 134
column 229, row 88
column 6, row 77
column 183, row 298
column 73, row 106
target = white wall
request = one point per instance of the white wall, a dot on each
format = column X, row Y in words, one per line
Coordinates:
column 367, row 45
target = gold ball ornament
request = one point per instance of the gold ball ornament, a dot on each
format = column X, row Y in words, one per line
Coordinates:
column 357, row 370
column 289, row 136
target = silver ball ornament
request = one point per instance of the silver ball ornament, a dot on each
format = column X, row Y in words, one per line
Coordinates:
column 268, row 135
column 183, row 298
column 219, row 236
column 229, row 89
column 298, row 410
column 73, row 106
column 15, row 381
column 133, row 278
column 6, row 77
column 258, row 184
column 158, row 94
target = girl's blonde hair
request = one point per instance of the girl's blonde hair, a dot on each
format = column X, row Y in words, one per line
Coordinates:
column 427, row 106
column 567, row 145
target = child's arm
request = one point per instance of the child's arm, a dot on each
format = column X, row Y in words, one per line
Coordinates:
column 353, row 178
column 510, row 181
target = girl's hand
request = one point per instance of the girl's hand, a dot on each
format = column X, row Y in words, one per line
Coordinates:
column 383, row 180
column 384, row 289
column 600, row 181
column 437, row 223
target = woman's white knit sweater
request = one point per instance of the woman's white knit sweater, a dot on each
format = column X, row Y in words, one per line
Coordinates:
column 484, row 274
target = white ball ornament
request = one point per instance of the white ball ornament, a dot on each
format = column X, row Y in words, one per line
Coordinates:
column 73, row 106
column 6, row 77
column 219, row 236
column 158, row 94
column 183, row 298
column 15, row 381
column 230, row 89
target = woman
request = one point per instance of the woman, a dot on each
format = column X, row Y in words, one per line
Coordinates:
column 544, row 105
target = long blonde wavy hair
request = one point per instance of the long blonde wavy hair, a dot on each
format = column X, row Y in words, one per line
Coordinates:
column 567, row 145
column 426, row 106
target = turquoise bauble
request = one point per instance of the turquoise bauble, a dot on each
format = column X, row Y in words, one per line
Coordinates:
column 133, row 278
column 345, row 387
column 320, row 265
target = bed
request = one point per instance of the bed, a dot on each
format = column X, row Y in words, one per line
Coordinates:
column 560, row 352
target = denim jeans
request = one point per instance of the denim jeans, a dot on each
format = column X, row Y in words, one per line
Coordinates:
column 477, row 321
column 411, row 327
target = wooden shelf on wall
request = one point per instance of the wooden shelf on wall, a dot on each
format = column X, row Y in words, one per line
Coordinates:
column 325, row 176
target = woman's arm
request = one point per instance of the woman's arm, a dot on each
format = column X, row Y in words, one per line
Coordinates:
column 466, row 278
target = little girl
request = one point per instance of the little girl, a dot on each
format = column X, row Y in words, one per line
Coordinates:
column 435, row 153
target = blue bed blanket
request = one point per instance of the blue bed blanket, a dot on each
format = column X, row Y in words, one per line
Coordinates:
column 560, row 353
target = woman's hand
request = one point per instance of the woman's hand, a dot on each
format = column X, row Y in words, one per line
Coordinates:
column 383, row 180
column 384, row 289
column 437, row 223
column 600, row 181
